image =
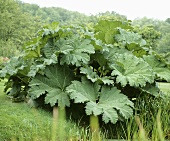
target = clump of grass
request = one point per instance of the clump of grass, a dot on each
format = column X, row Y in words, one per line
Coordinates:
column 152, row 122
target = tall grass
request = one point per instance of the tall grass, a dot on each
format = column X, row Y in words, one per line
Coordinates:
column 151, row 121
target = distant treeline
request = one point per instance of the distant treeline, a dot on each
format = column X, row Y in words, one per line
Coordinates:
column 20, row 21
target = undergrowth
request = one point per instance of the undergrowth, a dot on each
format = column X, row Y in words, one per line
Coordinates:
column 19, row 122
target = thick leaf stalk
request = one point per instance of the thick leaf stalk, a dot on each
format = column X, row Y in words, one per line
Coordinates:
column 94, row 126
column 59, row 119
column 94, row 123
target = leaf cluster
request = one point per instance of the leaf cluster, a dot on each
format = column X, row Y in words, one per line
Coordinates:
column 103, row 69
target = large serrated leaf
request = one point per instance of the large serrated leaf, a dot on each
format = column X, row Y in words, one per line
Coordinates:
column 130, row 37
column 132, row 41
column 109, row 102
column 41, row 64
column 159, row 68
column 151, row 89
column 113, row 103
column 57, row 46
column 53, row 83
column 109, row 55
column 80, row 52
column 92, row 108
column 106, row 30
column 128, row 69
column 83, row 91
column 75, row 58
column 110, row 115
column 16, row 66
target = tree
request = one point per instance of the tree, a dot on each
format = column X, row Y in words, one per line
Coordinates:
column 158, row 25
column 164, row 44
column 167, row 20
column 16, row 27
column 156, row 32
column 150, row 35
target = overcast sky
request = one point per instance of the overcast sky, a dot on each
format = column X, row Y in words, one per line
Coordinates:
column 157, row 9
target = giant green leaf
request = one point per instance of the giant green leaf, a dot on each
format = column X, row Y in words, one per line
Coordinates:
column 40, row 64
column 159, row 68
column 75, row 58
column 128, row 69
column 113, row 50
column 53, row 83
column 83, row 91
column 110, row 103
column 32, row 49
column 132, row 41
column 80, row 52
column 106, row 30
column 130, row 37
column 136, row 49
column 16, row 66
column 151, row 89
column 57, row 46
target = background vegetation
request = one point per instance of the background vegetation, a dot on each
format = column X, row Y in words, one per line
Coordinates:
column 20, row 22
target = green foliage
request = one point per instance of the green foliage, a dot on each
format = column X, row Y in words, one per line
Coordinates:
column 158, row 25
column 102, row 65
column 155, row 32
column 53, row 84
column 3, row 61
column 16, row 27
column 78, row 55
column 102, row 68
column 164, row 44
column 149, row 34
column 131, row 70
column 94, row 77
column 106, row 101
column 130, row 37
column 53, row 14
column 111, row 16
column 15, row 66
column 16, row 71
column 106, row 30
column 159, row 68
column 8, row 48
column 154, row 118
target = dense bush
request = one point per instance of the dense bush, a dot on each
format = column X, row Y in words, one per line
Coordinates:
column 103, row 69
